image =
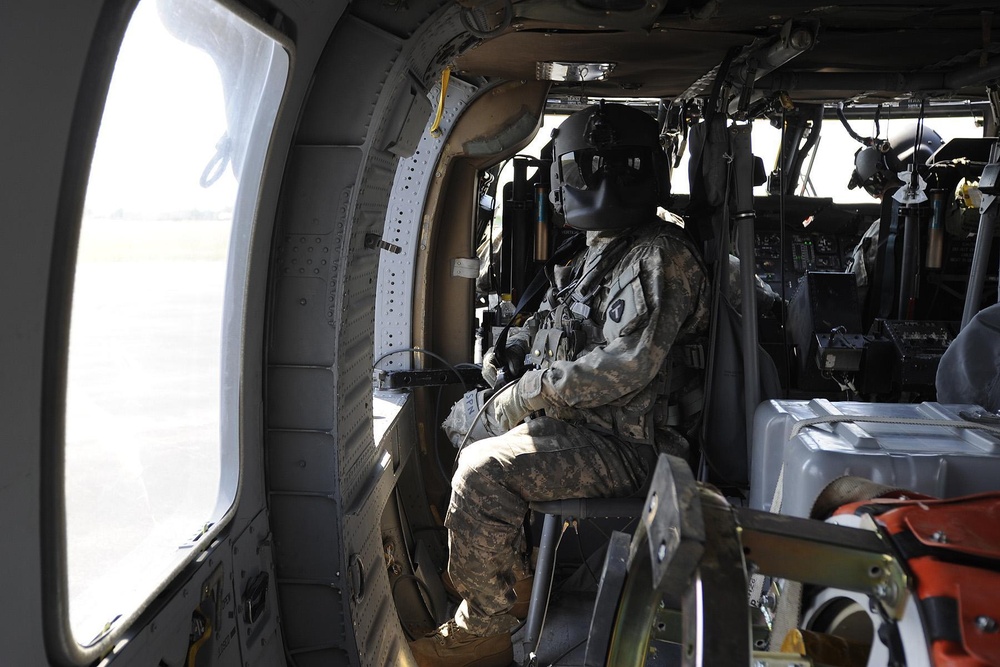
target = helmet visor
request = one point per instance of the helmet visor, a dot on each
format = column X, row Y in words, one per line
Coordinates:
column 623, row 166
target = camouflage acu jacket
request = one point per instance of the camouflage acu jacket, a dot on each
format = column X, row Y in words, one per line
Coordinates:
column 606, row 327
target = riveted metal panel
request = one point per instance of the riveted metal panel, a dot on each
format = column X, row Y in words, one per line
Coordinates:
column 318, row 187
column 359, row 58
column 301, row 302
column 394, row 298
column 300, row 514
column 322, row 458
column 301, row 461
column 260, row 635
column 321, row 629
column 323, row 656
column 400, row 18
column 300, row 398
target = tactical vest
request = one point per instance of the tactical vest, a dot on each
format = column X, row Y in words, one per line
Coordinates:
column 589, row 306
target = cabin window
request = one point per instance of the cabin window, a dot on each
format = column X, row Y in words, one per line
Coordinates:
column 828, row 173
column 152, row 399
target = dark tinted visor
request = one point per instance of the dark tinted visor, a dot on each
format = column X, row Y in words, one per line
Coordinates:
column 587, row 169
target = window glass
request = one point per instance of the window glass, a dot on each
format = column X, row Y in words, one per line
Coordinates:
column 833, row 164
column 151, row 441
column 834, row 161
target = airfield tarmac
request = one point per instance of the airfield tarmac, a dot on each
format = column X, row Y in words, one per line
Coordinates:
column 143, row 408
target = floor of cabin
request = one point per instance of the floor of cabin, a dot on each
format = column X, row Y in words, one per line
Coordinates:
column 563, row 640
column 566, row 626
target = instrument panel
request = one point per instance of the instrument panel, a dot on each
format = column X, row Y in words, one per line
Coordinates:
column 806, row 252
column 821, row 239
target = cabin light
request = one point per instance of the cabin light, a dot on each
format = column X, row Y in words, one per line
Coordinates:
column 553, row 71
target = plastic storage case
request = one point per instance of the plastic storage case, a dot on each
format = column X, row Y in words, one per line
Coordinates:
column 934, row 460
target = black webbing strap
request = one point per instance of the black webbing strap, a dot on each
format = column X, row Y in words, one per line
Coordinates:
column 536, row 288
column 888, row 269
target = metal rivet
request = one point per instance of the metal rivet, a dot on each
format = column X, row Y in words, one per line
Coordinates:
column 661, row 553
column 940, row 536
column 986, row 624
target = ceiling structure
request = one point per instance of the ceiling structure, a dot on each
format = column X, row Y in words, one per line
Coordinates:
column 857, row 50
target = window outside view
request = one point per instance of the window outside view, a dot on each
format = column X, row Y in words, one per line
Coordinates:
column 144, row 458
column 831, row 167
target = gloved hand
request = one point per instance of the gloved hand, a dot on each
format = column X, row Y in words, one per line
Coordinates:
column 463, row 418
column 515, row 403
column 503, row 411
column 491, row 366
column 515, row 351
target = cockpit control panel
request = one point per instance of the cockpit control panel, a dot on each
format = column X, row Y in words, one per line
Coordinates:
column 822, row 240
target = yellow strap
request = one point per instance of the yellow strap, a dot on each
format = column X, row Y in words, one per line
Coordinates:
column 435, row 128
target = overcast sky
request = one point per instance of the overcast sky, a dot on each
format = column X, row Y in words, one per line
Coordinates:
column 164, row 115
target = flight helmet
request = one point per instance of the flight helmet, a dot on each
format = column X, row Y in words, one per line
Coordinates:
column 608, row 169
column 876, row 167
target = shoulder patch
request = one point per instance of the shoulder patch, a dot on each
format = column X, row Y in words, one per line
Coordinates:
column 617, row 310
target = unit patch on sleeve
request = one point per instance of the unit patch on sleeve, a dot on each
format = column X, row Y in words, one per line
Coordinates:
column 617, row 310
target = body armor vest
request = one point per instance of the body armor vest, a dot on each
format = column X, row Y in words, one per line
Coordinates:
column 593, row 302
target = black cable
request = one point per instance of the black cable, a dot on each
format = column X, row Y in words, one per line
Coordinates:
column 486, row 403
column 781, row 260
column 437, row 409
column 445, row 477
column 579, row 545
column 567, row 651
column 920, row 133
column 847, row 126
column 429, row 354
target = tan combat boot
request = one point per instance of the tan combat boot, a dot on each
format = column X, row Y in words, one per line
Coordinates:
column 451, row 646
column 522, row 588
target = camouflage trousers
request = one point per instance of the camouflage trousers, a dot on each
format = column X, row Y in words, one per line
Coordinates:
column 543, row 459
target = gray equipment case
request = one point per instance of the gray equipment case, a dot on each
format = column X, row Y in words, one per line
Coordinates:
column 940, row 461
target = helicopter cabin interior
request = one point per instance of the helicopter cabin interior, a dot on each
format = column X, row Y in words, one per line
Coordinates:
column 254, row 250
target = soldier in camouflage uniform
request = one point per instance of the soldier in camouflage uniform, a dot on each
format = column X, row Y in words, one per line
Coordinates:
column 613, row 342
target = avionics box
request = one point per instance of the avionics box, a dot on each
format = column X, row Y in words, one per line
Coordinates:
column 935, row 460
